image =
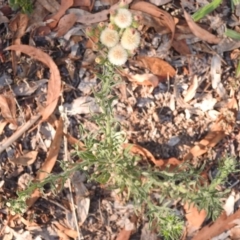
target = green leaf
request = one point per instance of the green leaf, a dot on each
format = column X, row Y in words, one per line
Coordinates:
column 202, row 12
column 103, row 178
column 232, row 34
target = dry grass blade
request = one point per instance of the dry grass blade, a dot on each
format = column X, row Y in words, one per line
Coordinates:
column 49, row 162
column 54, row 84
column 200, row 32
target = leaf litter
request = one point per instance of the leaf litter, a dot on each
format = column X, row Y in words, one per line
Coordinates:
column 180, row 104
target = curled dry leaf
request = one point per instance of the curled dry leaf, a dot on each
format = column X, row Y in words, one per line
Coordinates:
column 48, row 163
column 8, row 108
column 54, row 84
column 65, row 23
column 65, row 5
column 200, row 32
column 28, row 158
column 157, row 66
column 136, row 149
column 166, row 19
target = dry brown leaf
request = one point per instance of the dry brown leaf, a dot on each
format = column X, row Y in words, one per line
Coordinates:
column 147, row 79
column 28, row 158
column 65, row 23
column 51, row 5
column 6, row 10
column 136, row 149
column 192, row 89
column 38, row 14
column 84, row 3
column 65, row 5
column 69, row 232
column 124, row 234
column 166, row 19
column 17, row 26
column 48, row 163
column 181, row 46
column 200, row 32
column 235, row 233
column 157, row 66
column 8, row 108
column 223, row 223
column 54, row 84
column 151, row 21
column 223, row 125
column 195, row 218
column 3, row 125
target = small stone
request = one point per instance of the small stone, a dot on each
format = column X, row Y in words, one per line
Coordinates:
column 173, row 141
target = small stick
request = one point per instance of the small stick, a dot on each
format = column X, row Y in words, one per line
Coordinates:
column 19, row 132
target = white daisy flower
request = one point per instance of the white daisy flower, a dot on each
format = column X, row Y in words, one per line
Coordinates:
column 123, row 18
column 130, row 39
column 117, row 55
column 109, row 37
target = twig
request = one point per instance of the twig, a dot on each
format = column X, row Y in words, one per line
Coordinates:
column 19, row 133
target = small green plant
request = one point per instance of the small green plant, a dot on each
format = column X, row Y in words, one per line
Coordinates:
column 25, row 5
column 106, row 161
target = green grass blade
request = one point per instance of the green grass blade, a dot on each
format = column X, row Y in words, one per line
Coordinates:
column 202, row 12
column 232, row 34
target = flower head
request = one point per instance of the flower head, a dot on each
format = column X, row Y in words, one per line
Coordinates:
column 117, row 55
column 130, row 39
column 109, row 37
column 123, row 18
